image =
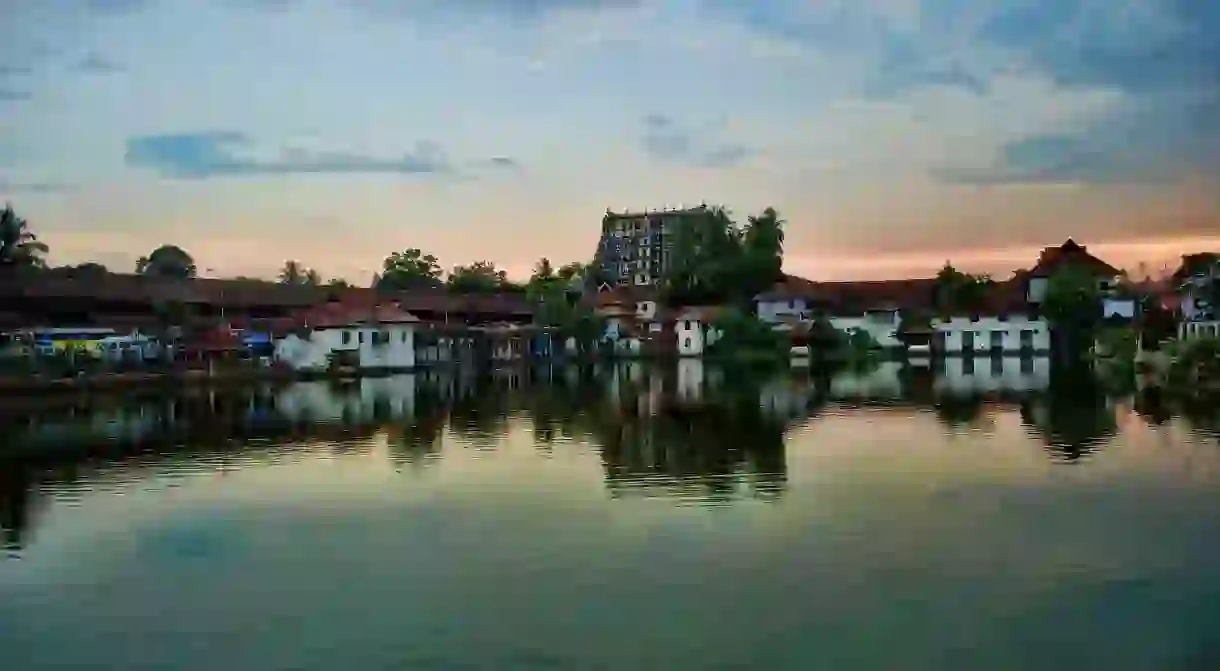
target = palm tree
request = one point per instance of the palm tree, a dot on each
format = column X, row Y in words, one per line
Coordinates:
column 18, row 245
column 292, row 273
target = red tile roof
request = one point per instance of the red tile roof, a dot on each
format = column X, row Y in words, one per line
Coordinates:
column 1070, row 253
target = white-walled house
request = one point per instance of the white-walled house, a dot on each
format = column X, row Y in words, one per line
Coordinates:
column 984, row 335
column 694, row 331
column 881, row 325
column 380, row 337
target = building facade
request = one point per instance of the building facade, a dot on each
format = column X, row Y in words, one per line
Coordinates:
column 635, row 247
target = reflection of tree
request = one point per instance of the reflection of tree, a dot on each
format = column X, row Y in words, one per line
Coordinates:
column 706, row 452
column 1073, row 417
column 480, row 414
column 957, row 410
column 1150, row 404
column 16, row 493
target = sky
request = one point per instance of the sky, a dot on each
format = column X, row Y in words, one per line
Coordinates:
column 891, row 135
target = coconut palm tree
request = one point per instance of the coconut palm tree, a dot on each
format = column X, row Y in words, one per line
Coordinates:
column 18, row 244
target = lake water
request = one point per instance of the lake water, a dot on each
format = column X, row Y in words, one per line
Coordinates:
column 631, row 518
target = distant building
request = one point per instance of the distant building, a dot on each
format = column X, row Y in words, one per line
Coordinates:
column 635, row 247
column 1193, row 280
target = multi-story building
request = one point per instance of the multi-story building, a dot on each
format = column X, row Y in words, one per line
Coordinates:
column 635, row 247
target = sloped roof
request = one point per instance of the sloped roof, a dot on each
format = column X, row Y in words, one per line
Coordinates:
column 1196, row 264
column 1071, row 253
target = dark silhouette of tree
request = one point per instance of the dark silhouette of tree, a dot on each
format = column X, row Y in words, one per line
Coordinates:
column 19, row 247
column 478, row 277
column 409, row 269
column 167, row 262
column 296, row 274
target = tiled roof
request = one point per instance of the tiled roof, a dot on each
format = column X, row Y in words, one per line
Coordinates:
column 238, row 294
column 1071, row 253
column 1196, row 264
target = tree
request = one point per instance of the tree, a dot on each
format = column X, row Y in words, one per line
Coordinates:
column 169, row 262
column 293, row 272
column 1073, row 308
column 338, row 283
column 19, row 247
column 543, row 272
column 956, row 291
column 713, row 260
column 478, row 277
column 743, row 336
column 763, row 251
column 574, row 269
column 409, row 269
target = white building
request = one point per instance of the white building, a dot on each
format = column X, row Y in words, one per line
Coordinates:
column 880, row 325
column 694, row 331
column 381, row 337
column 983, row 335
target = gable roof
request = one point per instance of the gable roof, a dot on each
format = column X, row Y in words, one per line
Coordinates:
column 1196, row 264
column 1071, row 254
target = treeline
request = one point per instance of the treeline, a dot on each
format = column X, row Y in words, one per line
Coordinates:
column 409, row 269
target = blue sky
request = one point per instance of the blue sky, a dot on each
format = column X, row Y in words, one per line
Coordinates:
column 891, row 134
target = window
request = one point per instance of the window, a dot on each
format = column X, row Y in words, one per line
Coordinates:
column 997, row 340
column 403, row 336
column 360, row 337
column 1027, row 339
column 686, row 344
column 347, row 337
column 968, row 365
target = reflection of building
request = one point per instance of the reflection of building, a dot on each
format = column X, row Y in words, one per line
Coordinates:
column 977, row 375
column 16, row 493
column 882, row 381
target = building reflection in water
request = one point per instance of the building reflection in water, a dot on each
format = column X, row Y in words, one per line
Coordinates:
column 691, row 430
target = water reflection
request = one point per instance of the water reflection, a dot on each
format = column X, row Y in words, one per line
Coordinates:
column 689, row 432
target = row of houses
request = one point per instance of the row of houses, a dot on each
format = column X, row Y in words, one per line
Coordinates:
column 637, row 323
column 1007, row 321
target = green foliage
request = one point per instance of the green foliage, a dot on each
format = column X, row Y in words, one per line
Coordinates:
column 715, row 261
column 18, row 245
column 168, row 262
column 407, row 270
column 478, row 277
column 1118, row 343
column 743, row 335
column 1073, row 300
column 960, row 292
column 1197, row 362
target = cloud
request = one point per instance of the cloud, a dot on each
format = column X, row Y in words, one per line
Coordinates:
column 96, row 64
column 444, row 10
column 217, row 154
column 666, row 140
column 14, row 70
column 1161, row 56
column 505, row 162
column 115, row 7
column 12, row 95
column 34, row 187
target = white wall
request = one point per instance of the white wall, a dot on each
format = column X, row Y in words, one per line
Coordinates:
column 775, row 310
column 880, row 382
column 1118, row 307
column 645, row 310
column 883, row 327
column 1009, row 331
column 313, row 353
column 690, row 335
column 1199, row 329
column 398, row 351
column 1037, row 289
column 968, row 376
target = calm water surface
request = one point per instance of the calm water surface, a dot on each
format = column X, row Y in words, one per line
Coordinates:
column 623, row 519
